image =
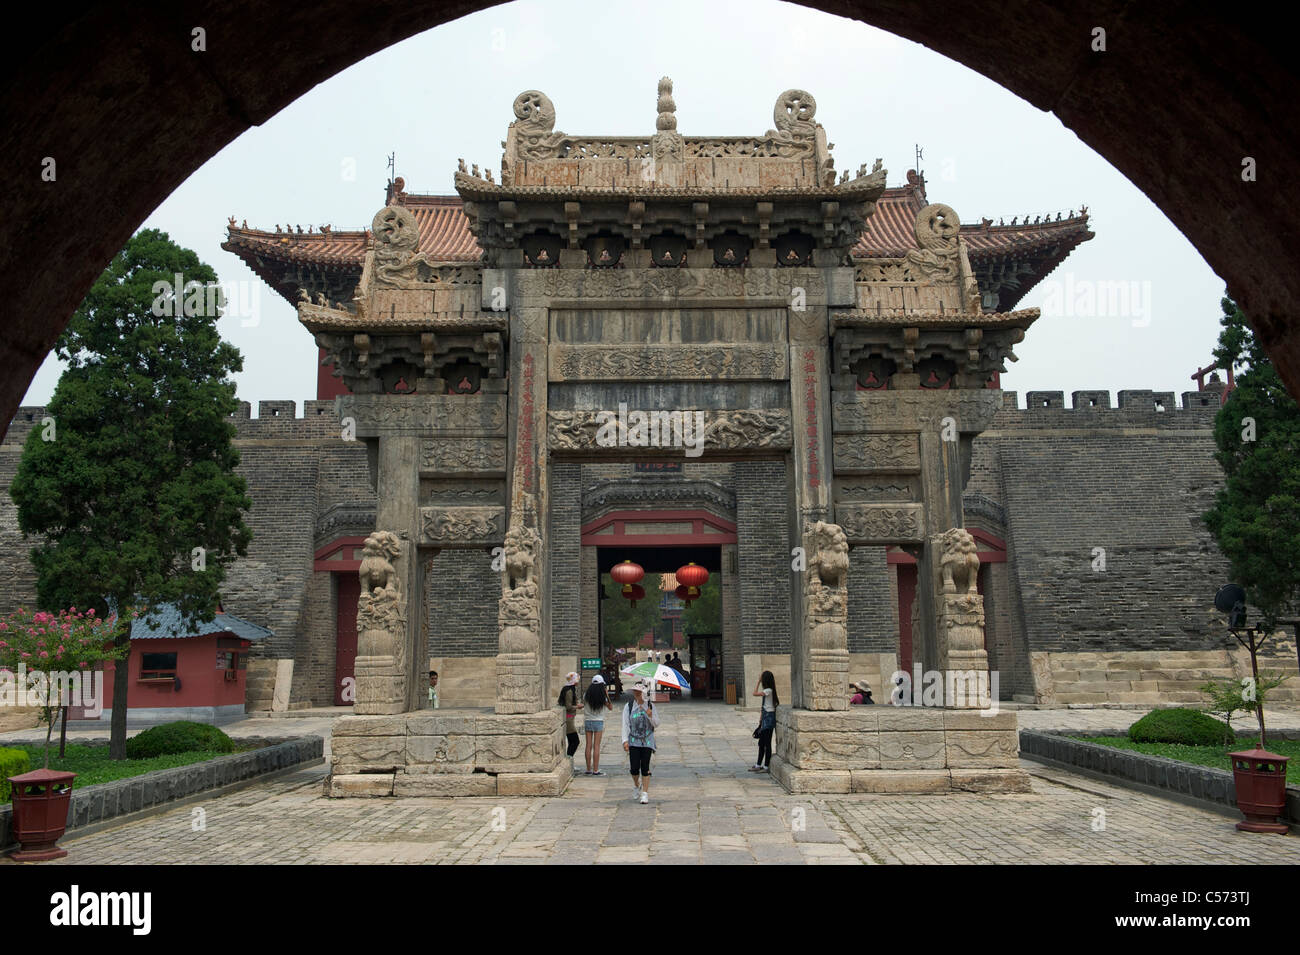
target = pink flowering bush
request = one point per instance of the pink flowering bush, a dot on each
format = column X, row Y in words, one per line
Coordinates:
column 51, row 642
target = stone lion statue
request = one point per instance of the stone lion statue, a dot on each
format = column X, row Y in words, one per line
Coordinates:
column 828, row 553
column 377, row 554
column 958, row 561
column 521, row 546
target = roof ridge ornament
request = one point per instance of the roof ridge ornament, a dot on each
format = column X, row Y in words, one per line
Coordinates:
column 667, row 119
column 535, row 125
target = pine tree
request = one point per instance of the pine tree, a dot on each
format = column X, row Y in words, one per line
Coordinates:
column 132, row 490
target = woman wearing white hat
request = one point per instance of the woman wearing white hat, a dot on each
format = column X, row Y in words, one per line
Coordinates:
column 639, row 722
column 569, row 700
column 597, row 703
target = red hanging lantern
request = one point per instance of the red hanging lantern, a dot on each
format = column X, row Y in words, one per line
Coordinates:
column 693, row 577
column 636, row 593
column 684, row 593
column 627, row 574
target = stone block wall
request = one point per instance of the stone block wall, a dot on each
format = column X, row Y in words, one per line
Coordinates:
column 1152, row 677
column 873, row 602
column 763, row 556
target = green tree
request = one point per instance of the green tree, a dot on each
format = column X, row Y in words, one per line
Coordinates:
column 1256, row 515
column 131, row 487
column 705, row 615
column 622, row 624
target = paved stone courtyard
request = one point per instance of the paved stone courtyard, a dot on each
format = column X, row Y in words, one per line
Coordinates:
column 705, row 808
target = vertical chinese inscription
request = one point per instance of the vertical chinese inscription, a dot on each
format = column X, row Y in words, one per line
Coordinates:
column 810, row 403
column 526, row 424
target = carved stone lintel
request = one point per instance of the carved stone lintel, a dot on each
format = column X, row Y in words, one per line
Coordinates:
column 777, row 285
column 595, row 430
column 651, row 362
column 874, row 453
column 463, row 455
column 449, row 526
column 425, row 414
column 920, row 410
column 882, row 523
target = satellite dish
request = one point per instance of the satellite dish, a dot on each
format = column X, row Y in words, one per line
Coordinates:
column 1228, row 597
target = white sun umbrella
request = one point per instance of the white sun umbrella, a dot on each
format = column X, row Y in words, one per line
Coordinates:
column 658, row 673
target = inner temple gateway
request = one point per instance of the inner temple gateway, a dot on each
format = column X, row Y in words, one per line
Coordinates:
column 816, row 353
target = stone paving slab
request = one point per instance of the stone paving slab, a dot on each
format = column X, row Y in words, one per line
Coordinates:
column 704, row 809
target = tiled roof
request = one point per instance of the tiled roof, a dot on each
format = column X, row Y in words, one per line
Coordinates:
column 445, row 237
column 166, row 624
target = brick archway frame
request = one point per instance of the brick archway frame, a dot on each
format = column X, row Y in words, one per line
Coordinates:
column 115, row 94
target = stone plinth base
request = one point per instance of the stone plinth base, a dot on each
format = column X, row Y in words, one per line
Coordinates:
column 889, row 749
column 467, row 752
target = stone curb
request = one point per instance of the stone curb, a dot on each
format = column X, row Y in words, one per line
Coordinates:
column 1200, row 784
column 95, row 804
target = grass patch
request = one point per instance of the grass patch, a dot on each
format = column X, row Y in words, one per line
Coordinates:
column 93, row 765
column 1215, row 757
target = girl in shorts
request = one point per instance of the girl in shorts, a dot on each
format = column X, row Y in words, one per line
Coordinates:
column 594, row 723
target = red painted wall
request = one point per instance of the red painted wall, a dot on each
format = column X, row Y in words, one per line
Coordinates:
column 327, row 386
column 202, row 684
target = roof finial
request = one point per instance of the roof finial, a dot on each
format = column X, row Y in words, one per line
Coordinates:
column 667, row 121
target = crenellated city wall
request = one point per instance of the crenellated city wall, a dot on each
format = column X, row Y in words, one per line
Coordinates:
column 1098, row 503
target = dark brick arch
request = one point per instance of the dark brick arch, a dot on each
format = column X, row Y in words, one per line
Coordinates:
column 115, row 94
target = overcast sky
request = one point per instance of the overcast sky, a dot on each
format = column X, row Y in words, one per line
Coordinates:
column 447, row 94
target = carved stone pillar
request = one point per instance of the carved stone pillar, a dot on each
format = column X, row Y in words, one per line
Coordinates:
column 524, row 648
column 382, row 619
column 820, row 658
column 825, row 667
column 959, row 615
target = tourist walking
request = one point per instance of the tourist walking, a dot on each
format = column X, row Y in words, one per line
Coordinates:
column 766, row 688
column 639, row 723
column 569, row 700
column 860, row 694
column 597, row 701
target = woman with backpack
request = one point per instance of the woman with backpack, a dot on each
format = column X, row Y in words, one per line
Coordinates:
column 597, row 701
column 569, row 700
column 639, row 722
column 766, row 688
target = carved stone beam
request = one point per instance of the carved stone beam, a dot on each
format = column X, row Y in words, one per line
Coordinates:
column 764, row 225
column 571, row 210
column 830, row 215
column 361, row 343
column 428, row 343
column 509, row 212
column 973, row 338
column 636, row 215
column 910, row 336
column 701, row 212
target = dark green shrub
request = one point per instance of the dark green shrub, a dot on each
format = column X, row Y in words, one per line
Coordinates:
column 13, row 762
column 180, row 737
column 1180, row 725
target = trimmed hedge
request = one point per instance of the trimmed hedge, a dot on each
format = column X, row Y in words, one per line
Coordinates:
column 1181, row 725
column 178, row 737
column 13, row 762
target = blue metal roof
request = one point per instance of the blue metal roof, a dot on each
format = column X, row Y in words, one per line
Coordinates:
column 165, row 624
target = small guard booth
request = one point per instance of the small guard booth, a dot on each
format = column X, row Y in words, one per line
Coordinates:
column 179, row 673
